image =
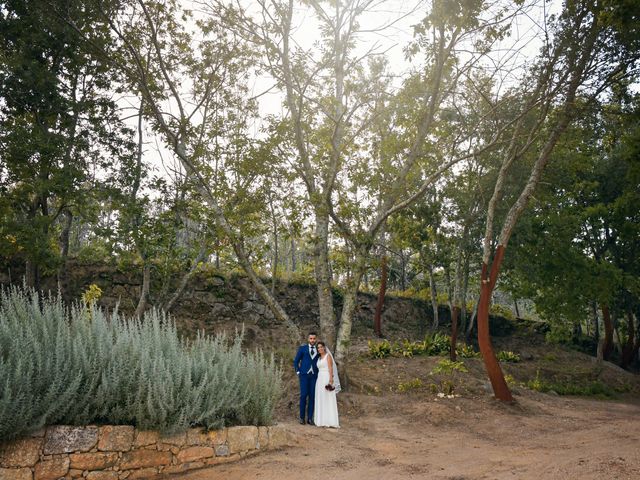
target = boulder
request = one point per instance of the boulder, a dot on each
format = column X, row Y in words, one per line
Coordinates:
column 242, row 439
column 93, row 460
column 52, row 469
column 102, row 476
column 67, row 439
column 16, row 474
column 20, row 453
column 115, row 438
column 146, row 437
column 144, row 458
column 190, row 454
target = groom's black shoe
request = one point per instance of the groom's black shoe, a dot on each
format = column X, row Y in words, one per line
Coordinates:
column 302, row 421
column 310, row 422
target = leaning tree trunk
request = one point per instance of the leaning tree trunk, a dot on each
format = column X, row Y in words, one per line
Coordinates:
column 487, row 284
column 202, row 254
column 377, row 322
column 607, row 346
column 144, row 294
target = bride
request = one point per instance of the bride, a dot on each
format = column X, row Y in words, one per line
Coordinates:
column 326, row 407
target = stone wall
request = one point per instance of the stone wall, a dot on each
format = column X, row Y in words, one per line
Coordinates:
column 124, row 452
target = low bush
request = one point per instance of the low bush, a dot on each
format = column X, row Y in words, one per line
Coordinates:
column 506, row 356
column 78, row 365
column 448, row 367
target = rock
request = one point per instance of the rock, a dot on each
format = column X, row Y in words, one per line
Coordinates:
column 52, row 469
column 93, row 460
column 242, row 439
column 20, row 453
column 143, row 473
column 222, row 450
column 197, row 436
column 263, row 437
column 219, row 309
column 146, row 437
column 178, row 439
column 183, row 467
column 217, row 437
column 67, row 439
column 279, row 437
column 194, row 453
column 102, row 476
column 553, row 392
column 115, row 438
column 16, row 474
column 144, row 458
column 73, row 473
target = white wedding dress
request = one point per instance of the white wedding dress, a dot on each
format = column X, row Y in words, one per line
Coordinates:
column 325, row 413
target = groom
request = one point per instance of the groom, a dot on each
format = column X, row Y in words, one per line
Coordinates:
column 306, row 366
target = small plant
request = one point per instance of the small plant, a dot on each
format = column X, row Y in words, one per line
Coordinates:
column 92, row 294
column 550, row 357
column 506, row 356
column 447, row 367
column 379, row 349
column 436, row 344
column 466, row 351
column 414, row 384
column 510, row 380
column 536, row 384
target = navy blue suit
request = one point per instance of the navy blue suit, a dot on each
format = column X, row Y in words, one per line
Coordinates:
column 307, row 370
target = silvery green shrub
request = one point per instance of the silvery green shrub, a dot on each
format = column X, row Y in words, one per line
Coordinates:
column 78, row 365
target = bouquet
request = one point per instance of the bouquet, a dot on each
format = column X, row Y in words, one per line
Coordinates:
column 329, row 387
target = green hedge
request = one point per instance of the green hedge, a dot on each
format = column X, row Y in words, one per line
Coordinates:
column 80, row 365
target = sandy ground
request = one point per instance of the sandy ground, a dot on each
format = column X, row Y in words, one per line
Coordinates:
column 414, row 435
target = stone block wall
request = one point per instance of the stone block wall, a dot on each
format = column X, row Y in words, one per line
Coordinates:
column 124, row 452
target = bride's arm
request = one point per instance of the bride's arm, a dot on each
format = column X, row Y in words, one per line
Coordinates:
column 330, row 364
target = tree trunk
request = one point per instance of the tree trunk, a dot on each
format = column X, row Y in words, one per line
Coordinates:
column 607, row 346
column 323, row 279
column 274, row 265
column 487, row 284
column 434, row 297
column 471, row 324
column 515, row 304
column 454, row 332
column 349, row 307
column 63, row 270
column 463, row 299
column 144, row 294
column 202, row 254
column 377, row 323
column 627, row 352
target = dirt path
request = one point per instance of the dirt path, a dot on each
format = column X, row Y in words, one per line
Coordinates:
column 411, row 436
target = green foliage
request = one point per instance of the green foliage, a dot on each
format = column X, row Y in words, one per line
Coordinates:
column 92, row 294
column 467, row 351
column 501, row 311
column 447, row 367
column 507, row 356
column 414, row 384
column 379, row 349
column 433, row 345
column 590, row 388
column 59, row 365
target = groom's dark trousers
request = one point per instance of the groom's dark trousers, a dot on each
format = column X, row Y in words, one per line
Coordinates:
column 303, row 364
column 307, row 391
